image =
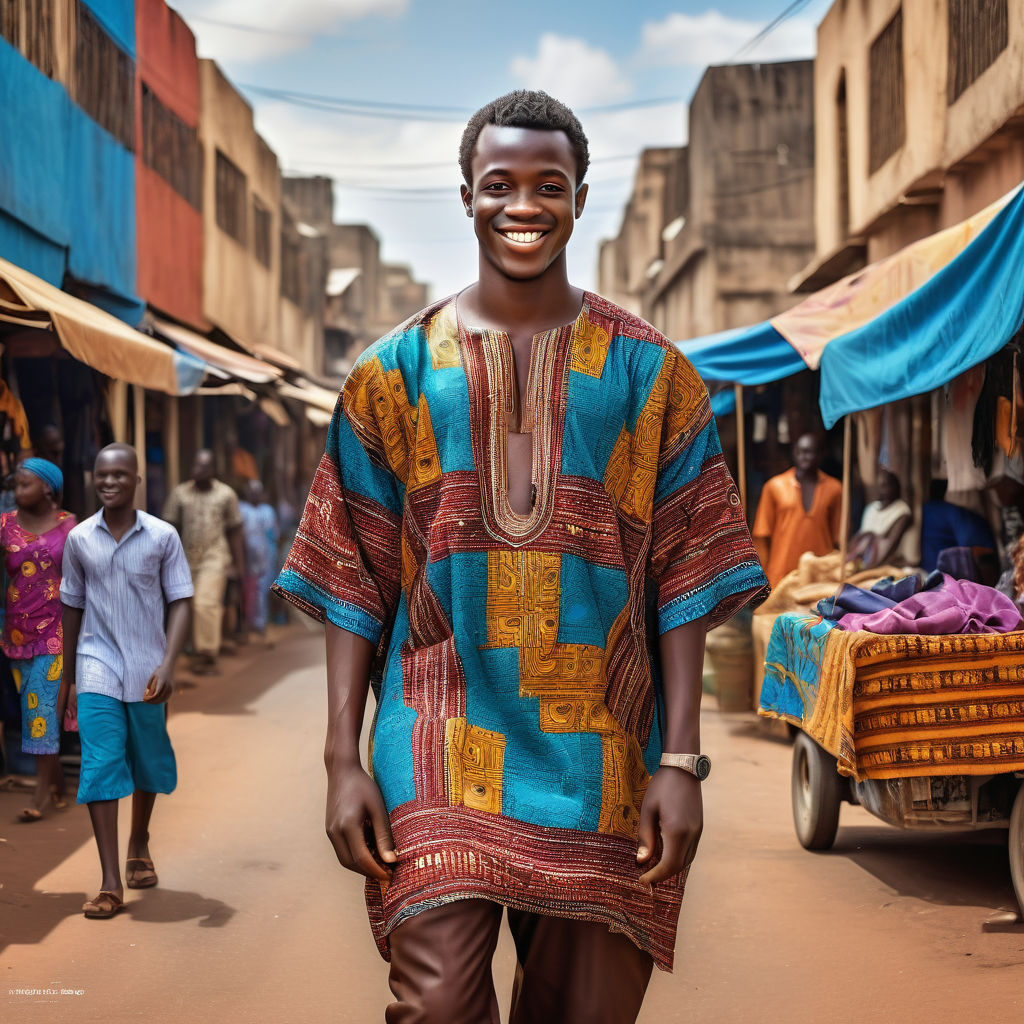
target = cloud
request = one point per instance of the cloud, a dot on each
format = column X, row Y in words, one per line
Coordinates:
column 573, row 71
column 254, row 30
column 713, row 38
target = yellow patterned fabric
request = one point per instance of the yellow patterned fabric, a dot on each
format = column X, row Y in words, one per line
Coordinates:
column 900, row 706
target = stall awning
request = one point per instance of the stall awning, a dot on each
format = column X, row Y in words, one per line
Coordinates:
column 232, row 364
column 965, row 313
column 319, row 401
column 94, row 337
column 745, row 355
column 872, row 330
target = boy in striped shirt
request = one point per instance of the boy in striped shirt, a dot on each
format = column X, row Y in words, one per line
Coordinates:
column 122, row 567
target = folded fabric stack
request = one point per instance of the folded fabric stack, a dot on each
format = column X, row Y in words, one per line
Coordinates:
column 900, row 705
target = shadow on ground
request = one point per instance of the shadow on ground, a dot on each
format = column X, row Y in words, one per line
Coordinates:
column 163, row 906
column 30, row 852
column 945, row 868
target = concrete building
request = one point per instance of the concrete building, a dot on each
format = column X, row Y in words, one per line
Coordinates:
column 919, row 123
column 714, row 231
column 364, row 298
column 241, row 214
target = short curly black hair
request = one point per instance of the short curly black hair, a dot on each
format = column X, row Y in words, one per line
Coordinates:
column 526, row 108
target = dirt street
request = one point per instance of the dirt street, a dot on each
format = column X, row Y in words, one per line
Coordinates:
column 254, row 921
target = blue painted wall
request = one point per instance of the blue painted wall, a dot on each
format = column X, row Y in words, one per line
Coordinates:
column 67, row 185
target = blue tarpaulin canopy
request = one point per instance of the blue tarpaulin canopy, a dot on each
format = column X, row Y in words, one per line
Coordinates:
column 744, row 355
column 962, row 315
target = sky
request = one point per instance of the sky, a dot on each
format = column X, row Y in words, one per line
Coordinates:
column 397, row 170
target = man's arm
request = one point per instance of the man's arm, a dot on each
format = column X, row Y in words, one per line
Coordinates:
column 672, row 805
column 161, row 682
column 67, row 695
column 353, row 798
column 234, row 535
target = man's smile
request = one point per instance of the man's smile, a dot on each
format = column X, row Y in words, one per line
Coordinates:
column 520, row 237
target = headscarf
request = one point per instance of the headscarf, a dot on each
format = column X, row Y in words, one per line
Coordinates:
column 47, row 472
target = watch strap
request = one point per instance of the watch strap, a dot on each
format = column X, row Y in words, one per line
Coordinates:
column 688, row 762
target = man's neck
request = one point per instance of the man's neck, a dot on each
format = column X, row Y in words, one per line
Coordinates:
column 203, row 485
column 119, row 519
column 807, row 476
column 503, row 303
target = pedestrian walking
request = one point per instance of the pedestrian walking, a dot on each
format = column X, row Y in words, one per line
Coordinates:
column 799, row 511
column 513, row 479
column 205, row 513
column 32, row 538
column 124, row 570
column 261, row 535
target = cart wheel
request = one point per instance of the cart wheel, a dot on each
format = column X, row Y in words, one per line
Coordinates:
column 1016, row 840
column 817, row 794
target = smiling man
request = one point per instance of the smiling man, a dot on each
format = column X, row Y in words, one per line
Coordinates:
column 522, row 514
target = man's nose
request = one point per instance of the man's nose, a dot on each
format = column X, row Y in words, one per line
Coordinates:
column 522, row 204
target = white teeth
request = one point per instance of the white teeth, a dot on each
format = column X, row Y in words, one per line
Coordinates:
column 523, row 236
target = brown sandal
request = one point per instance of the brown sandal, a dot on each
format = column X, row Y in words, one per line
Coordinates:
column 30, row 814
column 106, row 904
column 143, row 877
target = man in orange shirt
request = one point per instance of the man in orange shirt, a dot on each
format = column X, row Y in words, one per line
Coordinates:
column 798, row 512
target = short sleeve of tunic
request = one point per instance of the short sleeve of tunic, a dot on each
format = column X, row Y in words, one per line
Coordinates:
column 702, row 559
column 343, row 565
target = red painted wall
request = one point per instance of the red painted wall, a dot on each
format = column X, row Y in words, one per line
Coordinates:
column 169, row 229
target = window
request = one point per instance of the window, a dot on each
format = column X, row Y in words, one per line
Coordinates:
column 231, row 205
column 291, row 262
column 172, row 149
column 10, row 21
column 842, row 159
column 28, row 26
column 104, row 79
column 261, row 232
column 885, row 97
column 978, row 33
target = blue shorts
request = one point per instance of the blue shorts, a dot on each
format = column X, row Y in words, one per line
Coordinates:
column 125, row 747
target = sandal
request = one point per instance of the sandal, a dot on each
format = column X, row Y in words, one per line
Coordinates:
column 106, row 904
column 30, row 814
column 142, row 877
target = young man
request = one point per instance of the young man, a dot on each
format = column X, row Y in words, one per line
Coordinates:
column 205, row 512
column 513, row 480
column 122, row 568
column 799, row 511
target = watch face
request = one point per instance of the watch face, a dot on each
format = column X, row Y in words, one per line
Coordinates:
column 702, row 769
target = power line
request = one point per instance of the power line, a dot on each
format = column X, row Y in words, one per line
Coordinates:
column 418, row 112
column 786, row 14
column 435, row 166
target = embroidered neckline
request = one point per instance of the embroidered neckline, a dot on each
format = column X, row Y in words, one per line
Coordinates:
column 490, row 376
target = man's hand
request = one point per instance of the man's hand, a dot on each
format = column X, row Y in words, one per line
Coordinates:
column 160, row 686
column 673, row 807
column 357, row 822
column 67, row 704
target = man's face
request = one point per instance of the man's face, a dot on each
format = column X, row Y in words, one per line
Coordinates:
column 115, row 477
column 524, row 198
column 202, row 467
column 805, row 453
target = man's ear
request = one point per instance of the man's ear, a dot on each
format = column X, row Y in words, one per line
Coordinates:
column 467, row 199
column 581, row 199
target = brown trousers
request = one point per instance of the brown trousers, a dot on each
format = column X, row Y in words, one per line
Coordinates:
column 569, row 972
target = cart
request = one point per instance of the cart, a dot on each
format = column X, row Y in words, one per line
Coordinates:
column 923, row 732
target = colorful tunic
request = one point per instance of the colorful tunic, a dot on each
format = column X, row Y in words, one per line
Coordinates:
column 517, row 717
column 32, row 623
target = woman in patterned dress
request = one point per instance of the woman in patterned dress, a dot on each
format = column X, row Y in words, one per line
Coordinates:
column 32, row 541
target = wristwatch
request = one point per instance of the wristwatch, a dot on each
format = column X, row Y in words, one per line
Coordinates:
column 695, row 764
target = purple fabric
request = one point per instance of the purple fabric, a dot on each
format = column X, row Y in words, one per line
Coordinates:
column 960, row 606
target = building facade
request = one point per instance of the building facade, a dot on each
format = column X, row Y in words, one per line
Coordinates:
column 714, row 230
column 919, row 123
